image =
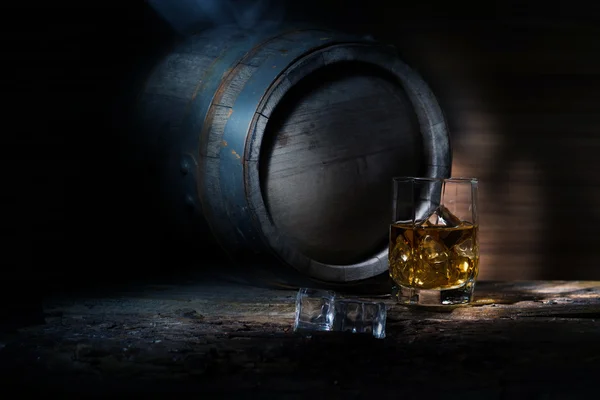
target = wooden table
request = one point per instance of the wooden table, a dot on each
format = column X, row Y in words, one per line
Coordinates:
column 518, row 340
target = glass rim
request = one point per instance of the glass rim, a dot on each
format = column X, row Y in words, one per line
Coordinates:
column 458, row 179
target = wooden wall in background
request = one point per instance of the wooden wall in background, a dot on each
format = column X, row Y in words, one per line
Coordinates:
column 522, row 97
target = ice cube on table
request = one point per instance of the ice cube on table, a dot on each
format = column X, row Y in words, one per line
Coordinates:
column 319, row 310
column 314, row 310
column 360, row 317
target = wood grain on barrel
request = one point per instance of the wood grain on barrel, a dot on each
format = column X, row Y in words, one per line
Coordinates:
column 330, row 151
column 518, row 339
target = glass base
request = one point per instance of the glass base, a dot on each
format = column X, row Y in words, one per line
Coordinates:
column 434, row 297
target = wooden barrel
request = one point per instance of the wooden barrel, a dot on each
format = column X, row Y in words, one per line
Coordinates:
column 285, row 144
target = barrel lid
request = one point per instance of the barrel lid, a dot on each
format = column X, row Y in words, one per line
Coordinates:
column 328, row 138
column 329, row 152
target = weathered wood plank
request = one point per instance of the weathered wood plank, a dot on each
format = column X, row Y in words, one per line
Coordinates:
column 516, row 340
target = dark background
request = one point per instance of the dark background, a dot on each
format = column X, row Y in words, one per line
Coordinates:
column 520, row 85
